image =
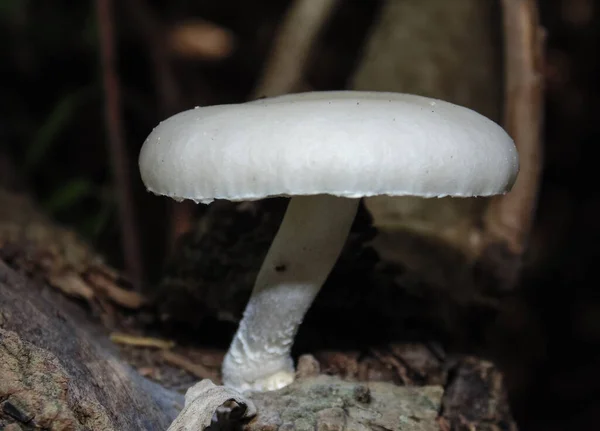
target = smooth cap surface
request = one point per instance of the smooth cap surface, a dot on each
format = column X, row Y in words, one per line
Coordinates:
column 345, row 143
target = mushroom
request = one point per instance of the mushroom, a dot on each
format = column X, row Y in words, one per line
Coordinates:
column 325, row 150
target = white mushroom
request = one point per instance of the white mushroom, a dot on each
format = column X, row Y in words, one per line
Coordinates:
column 326, row 150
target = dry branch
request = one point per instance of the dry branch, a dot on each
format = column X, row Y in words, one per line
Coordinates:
column 300, row 28
column 508, row 219
column 117, row 149
column 59, row 372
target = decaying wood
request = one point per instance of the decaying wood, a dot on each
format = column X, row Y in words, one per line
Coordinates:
column 359, row 301
column 60, row 373
column 212, row 275
column 326, row 402
column 470, row 396
column 475, row 398
column 409, row 365
column 416, row 364
column 213, row 270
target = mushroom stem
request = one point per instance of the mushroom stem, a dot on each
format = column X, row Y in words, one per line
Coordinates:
column 305, row 249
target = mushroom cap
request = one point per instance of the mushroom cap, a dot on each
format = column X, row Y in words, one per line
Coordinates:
column 344, row 143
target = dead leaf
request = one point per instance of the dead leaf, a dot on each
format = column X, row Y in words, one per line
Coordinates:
column 202, row 401
column 122, row 297
column 72, row 285
column 201, row 39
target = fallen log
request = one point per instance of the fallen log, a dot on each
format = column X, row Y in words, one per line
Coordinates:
column 58, row 371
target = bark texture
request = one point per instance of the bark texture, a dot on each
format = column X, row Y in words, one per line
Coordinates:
column 327, row 403
column 60, row 373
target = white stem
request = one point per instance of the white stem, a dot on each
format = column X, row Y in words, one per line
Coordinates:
column 305, row 249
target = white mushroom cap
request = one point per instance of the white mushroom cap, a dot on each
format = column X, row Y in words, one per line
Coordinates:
column 344, row 143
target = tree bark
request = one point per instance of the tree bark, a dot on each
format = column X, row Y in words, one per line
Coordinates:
column 59, row 372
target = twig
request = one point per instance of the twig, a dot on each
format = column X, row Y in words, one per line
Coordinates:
column 196, row 369
column 134, row 340
column 118, row 152
column 509, row 218
column 301, row 26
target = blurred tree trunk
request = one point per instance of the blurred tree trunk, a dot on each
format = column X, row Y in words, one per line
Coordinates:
column 467, row 52
column 446, row 50
column 449, row 50
column 453, row 51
